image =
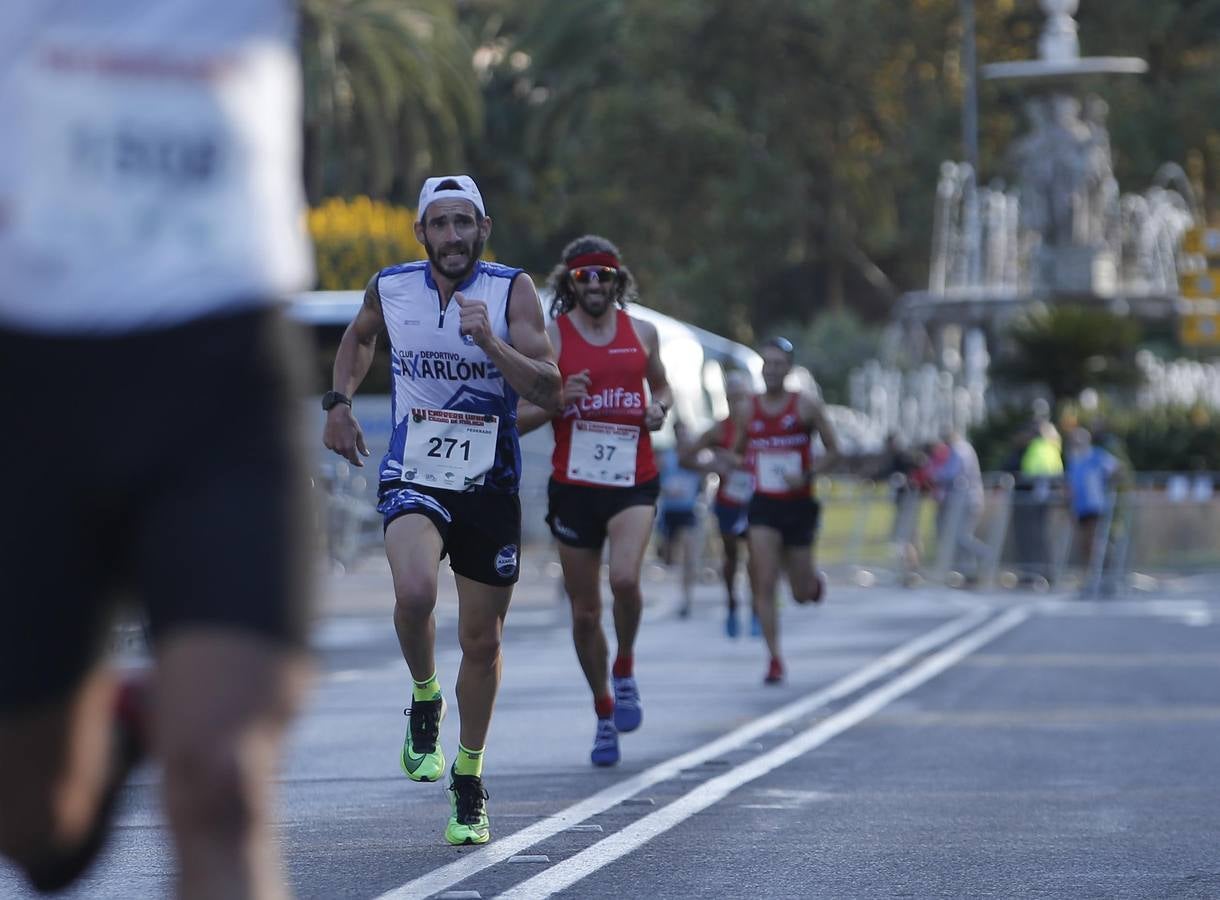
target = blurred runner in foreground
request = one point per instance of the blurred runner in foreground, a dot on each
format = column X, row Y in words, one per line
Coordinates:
column 151, row 213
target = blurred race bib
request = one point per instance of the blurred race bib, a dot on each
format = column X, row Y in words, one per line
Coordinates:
column 738, row 486
column 773, row 467
column 131, row 152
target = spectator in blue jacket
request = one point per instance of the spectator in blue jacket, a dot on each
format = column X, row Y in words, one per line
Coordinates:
column 1090, row 475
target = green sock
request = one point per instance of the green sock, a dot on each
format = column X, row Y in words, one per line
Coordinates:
column 426, row 690
column 468, row 762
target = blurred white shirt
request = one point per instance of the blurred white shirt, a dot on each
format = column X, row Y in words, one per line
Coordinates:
column 150, row 171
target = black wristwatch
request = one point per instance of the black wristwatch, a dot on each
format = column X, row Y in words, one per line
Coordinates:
column 331, row 399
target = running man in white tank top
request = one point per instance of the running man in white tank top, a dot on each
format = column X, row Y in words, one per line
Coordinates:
column 150, row 218
column 467, row 338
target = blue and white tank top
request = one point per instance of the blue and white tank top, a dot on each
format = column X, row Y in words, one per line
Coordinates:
column 150, row 166
column 445, row 386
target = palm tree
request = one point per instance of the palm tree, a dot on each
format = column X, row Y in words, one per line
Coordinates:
column 390, row 91
column 1069, row 348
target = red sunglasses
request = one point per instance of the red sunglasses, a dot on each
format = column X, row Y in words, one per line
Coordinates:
column 585, row 274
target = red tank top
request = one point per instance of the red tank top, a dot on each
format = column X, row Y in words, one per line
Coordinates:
column 777, row 444
column 601, row 440
column 737, row 486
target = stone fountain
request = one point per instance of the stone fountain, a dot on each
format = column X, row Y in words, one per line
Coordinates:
column 1062, row 231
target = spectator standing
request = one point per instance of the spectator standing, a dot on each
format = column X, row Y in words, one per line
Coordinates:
column 1041, row 469
column 1091, row 472
column 960, row 507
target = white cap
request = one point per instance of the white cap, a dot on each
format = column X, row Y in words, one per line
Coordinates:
column 466, row 190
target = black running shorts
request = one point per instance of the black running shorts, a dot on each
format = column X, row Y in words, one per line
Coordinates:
column 579, row 515
column 162, row 467
column 481, row 530
column 796, row 519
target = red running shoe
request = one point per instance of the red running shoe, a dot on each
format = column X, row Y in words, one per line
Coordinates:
column 775, row 672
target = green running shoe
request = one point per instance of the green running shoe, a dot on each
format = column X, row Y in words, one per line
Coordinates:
column 422, row 758
column 468, row 800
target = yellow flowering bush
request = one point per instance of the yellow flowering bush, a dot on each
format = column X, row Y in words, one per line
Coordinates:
column 355, row 238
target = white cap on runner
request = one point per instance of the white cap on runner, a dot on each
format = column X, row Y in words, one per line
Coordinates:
column 466, row 190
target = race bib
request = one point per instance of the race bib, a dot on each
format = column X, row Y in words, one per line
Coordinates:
column 773, row 466
column 737, row 487
column 160, row 156
column 601, row 453
column 449, row 449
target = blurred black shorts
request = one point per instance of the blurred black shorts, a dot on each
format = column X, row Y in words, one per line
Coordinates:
column 795, row 519
column 162, row 468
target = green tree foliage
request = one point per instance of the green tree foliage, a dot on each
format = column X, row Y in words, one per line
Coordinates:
column 757, row 162
column 1069, row 348
column 837, row 342
column 1167, row 115
column 1165, row 439
column 1176, row 439
column 390, row 94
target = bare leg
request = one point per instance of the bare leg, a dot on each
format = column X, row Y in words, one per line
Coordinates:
column 765, row 553
column 55, row 765
column 223, row 699
column 691, row 537
column 413, row 547
column 481, row 612
column 732, row 560
column 582, row 579
column 629, row 531
column 802, row 577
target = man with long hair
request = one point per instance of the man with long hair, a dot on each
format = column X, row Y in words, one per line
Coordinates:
column 466, row 339
column 604, row 481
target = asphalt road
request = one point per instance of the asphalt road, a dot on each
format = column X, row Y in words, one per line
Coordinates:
column 927, row 743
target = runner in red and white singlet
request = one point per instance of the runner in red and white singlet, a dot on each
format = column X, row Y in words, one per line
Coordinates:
column 604, row 481
column 778, row 450
column 600, row 439
column 713, row 452
column 783, row 515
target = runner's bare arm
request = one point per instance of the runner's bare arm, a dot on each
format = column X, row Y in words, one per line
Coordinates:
column 813, row 412
column 528, row 363
column 342, row 433
column 530, row 416
column 658, row 384
column 355, row 354
column 701, row 453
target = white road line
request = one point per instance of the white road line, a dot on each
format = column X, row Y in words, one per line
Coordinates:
column 619, row 844
column 1188, row 612
column 501, row 849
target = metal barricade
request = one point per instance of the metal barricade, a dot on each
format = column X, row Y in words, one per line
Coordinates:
column 1168, row 525
column 1025, row 535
